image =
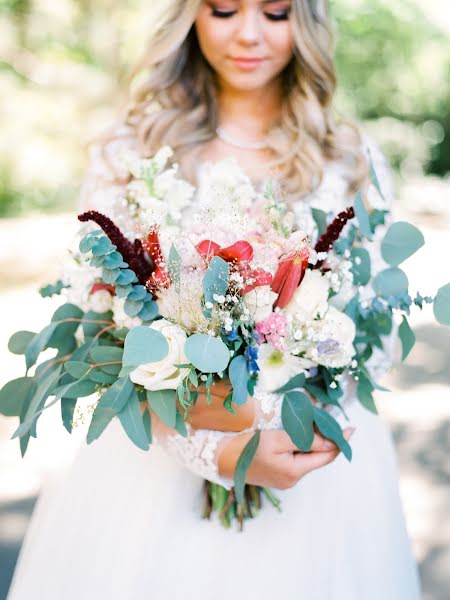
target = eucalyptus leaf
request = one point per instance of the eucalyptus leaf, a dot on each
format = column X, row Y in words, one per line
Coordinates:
column 149, row 311
column 180, row 425
column 331, row 430
column 362, row 216
column 441, row 307
column 76, row 389
column 144, row 345
column 407, row 338
column 91, row 329
column 15, row 396
column 207, row 353
column 77, row 369
column 132, row 307
column 361, row 266
column 108, row 354
column 67, row 411
column 401, row 241
column 239, row 376
column 320, row 219
column 19, row 341
column 38, row 343
column 131, row 419
column 109, row 406
column 164, row 404
column 364, row 392
column 147, row 422
column 243, row 465
column 44, row 389
column 374, row 177
column 215, row 280
column 297, row 417
column 391, row 282
column 298, row 381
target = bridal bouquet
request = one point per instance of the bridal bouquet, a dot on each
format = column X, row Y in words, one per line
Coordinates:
column 162, row 302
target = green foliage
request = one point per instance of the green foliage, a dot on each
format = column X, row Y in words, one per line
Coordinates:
column 207, row 353
column 331, row 429
column 407, row 338
column 362, row 217
column 441, row 305
column 15, row 396
column 239, row 376
column 215, row 281
column 109, row 406
column 296, row 382
column 243, row 465
column 320, row 219
column 297, row 417
column 361, row 266
column 391, row 282
column 401, row 241
column 164, row 404
column 19, row 341
column 144, row 345
column 132, row 422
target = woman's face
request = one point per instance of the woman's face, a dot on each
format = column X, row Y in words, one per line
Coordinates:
column 248, row 43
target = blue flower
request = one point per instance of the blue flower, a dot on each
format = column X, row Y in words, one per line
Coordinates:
column 251, row 354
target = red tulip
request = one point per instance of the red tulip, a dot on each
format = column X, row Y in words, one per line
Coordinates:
column 291, row 271
column 239, row 252
column 207, row 249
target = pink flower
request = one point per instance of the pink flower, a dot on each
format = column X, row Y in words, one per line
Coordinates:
column 273, row 330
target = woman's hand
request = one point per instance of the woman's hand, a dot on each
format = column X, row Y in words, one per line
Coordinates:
column 215, row 416
column 278, row 463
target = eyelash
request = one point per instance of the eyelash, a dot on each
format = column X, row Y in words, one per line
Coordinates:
column 271, row 16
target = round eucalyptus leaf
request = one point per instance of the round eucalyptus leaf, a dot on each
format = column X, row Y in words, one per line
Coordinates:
column 401, row 241
column 441, row 306
column 19, row 341
column 144, row 345
column 391, row 282
column 207, row 353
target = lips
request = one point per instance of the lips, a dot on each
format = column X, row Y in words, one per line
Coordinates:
column 247, row 63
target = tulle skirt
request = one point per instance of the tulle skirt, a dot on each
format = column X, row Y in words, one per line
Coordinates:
column 125, row 525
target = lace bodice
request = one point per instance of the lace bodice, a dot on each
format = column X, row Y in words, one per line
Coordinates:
column 106, row 178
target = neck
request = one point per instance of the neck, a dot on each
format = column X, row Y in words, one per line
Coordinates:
column 249, row 113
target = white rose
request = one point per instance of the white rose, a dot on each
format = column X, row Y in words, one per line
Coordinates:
column 259, row 301
column 163, row 375
column 121, row 318
column 101, row 301
column 337, row 332
column 311, row 297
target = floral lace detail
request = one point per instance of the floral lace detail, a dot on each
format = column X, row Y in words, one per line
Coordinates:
column 269, row 405
column 198, row 452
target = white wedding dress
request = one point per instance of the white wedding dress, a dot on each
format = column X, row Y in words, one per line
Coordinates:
column 123, row 524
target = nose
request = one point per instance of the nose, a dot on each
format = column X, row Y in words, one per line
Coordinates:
column 250, row 30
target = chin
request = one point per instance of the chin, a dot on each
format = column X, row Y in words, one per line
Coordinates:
column 247, row 82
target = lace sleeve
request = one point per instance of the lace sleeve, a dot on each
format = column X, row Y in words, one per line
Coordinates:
column 198, row 452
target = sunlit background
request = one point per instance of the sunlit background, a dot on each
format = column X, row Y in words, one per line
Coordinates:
column 62, row 65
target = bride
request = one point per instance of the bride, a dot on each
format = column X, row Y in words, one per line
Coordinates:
column 254, row 80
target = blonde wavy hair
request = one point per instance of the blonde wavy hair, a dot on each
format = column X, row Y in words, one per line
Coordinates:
column 173, row 100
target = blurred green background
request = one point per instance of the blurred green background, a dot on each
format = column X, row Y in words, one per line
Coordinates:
column 62, row 64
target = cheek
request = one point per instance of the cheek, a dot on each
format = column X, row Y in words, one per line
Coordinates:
column 281, row 42
column 212, row 35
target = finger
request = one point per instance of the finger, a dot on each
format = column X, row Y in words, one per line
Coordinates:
column 305, row 463
column 321, row 444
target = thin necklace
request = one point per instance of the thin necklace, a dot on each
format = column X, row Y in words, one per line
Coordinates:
column 232, row 141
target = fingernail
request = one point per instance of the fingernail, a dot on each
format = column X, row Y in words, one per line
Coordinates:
column 351, row 431
column 329, row 445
